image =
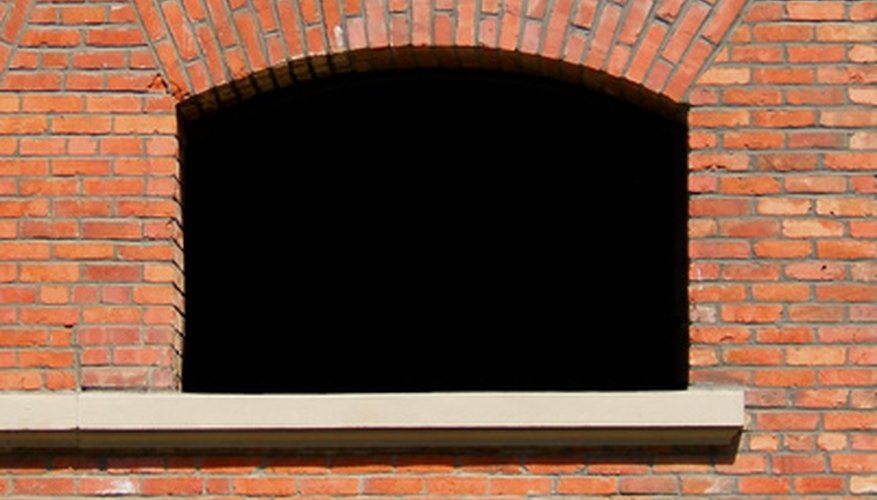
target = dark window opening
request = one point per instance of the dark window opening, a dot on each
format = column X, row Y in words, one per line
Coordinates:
column 435, row 231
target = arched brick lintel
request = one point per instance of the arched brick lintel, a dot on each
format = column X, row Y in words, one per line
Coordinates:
column 659, row 45
column 12, row 18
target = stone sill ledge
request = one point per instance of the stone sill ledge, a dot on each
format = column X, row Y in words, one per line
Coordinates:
column 111, row 420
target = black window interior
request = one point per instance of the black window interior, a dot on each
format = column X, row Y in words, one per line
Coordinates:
column 434, row 230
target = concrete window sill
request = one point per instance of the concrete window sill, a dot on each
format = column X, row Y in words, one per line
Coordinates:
column 113, row 420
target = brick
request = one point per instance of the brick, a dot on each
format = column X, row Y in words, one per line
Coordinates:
column 751, row 313
column 43, row 486
column 651, row 485
column 520, row 486
column 782, row 249
column 759, row 356
column 110, row 37
column 724, row 161
column 847, row 32
column 816, row 314
column 113, row 273
column 393, row 485
column 784, row 206
column 725, row 76
column 145, row 124
column 846, row 207
column 846, row 293
column 785, row 292
column 816, row 184
column 749, row 185
column 456, row 485
column 784, row 119
column 730, row 118
column 819, row 484
column 758, row 54
column 55, row 38
column 587, row 485
column 49, row 272
column 783, row 76
column 851, row 161
column 853, row 463
column 717, row 293
column 328, row 486
column 812, row 228
column 700, row 207
column 846, row 249
column 751, row 272
column 45, row 359
column 754, row 140
column 717, row 250
column 749, row 228
column 785, row 335
column 782, row 32
column 812, row 356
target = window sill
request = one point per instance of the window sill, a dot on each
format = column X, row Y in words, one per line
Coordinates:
column 162, row 420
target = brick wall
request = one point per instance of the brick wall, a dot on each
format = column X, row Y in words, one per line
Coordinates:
column 783, row 159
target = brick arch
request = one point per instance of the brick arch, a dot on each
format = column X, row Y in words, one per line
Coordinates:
column 12, row 17
column 246, row 47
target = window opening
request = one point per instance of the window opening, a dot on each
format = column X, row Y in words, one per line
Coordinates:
column 434, row 231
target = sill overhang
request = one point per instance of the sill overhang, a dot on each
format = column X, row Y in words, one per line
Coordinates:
column 113, row 420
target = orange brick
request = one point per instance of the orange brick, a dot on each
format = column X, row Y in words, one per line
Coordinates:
column 782, row 249
column 749, row 185
column 393, row 485
column 751, row 313
column 653, row 485
column 846, row 249
column 819, row 484
column 780, row 292
column 813, row 356
column 822, row 398
column 587, row 485
column 812, row 228
column 43, row 486
column 456, row 485
column 751, row 272
column 752, row 356
column 816, row 313
column 328, row 486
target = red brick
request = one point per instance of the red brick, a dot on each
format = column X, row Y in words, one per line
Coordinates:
column 812, row 228
column 328, row 486
column 781, row 292
column 819, row 484
column 112, row 230
column 846, row 249
column 50, row 38
column 751, row 313
column 782, row 32
column 393, row 485
column 717, row 293
column 816, row 314
column 749, row 185
column 654, row 485
column 815, row 271
column 752, row 97
column 782, row 249
column 111, row 486
column 752, row 356
column 456, row 485
column 754, row 140
column 717, row 250
column 587, row 485
column 520, row 486
column 43, row 486
column 105, row 37
column 751, row 272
